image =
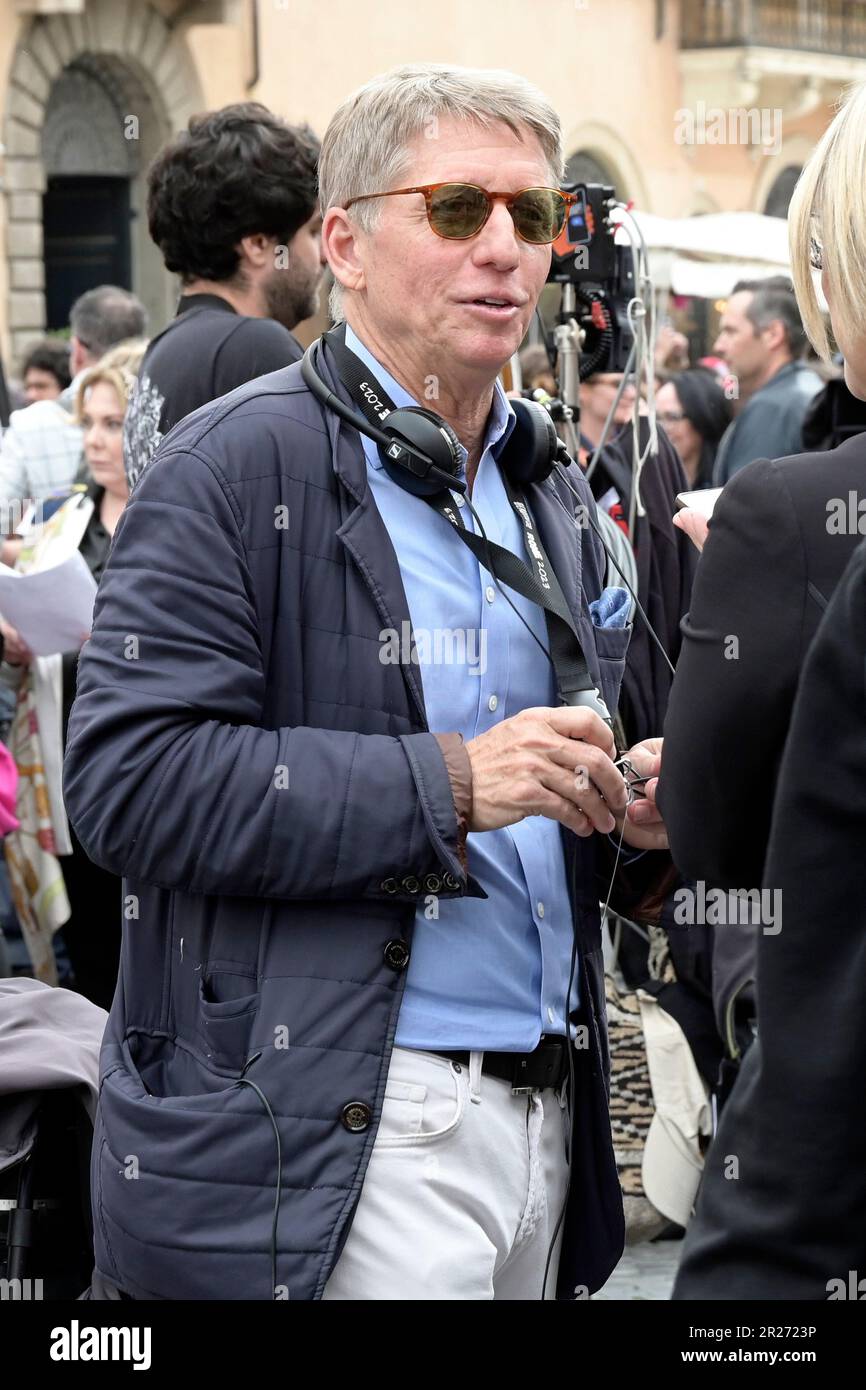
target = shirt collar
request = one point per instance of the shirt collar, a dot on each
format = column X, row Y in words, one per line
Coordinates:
column 500, row 422
column 203, row 301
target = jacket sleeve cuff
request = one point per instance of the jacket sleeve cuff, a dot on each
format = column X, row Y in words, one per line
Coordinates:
column 459, row 771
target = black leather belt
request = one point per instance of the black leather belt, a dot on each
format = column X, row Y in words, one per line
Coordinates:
column 546, row 1065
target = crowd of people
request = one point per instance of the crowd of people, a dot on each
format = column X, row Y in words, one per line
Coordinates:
column 293, row 818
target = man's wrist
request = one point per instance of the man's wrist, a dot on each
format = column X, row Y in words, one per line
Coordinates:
column 459, row 770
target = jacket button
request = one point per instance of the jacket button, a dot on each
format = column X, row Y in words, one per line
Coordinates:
column 356, row 1116
column 389, row 885
column 411, row 884
column 397, row 955
column 451, row 881
column 432, row 883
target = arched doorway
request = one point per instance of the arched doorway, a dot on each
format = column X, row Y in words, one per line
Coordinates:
column 86, row 212
column 90, row 102
column 781, row 191
column 584, row 167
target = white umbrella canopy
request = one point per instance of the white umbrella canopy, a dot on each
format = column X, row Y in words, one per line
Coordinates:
column 707, row 255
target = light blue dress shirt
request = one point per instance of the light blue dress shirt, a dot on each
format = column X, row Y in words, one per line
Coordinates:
column 486, row 974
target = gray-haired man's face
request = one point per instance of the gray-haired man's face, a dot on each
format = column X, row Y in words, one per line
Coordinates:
column 422, row 290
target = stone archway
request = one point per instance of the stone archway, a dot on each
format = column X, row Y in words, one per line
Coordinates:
column 145, row 77
column 597, row 144
column 781, row 190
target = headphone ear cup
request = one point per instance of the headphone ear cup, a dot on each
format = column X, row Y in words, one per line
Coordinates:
column 429, row 433
column 531, row 451
column 444, row 428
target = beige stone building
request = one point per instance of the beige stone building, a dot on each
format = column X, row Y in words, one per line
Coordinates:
column 687, row 106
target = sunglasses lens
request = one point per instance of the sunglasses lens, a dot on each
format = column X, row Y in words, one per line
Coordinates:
column 457, row 210
column 539, row 215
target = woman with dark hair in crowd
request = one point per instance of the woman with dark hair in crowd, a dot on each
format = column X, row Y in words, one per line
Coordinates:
column 694, row 412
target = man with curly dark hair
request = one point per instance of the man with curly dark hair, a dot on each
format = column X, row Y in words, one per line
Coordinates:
column 232, row 205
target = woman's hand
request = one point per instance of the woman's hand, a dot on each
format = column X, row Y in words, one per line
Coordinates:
column 694, row 524
column 644, row 826
column 15, row 649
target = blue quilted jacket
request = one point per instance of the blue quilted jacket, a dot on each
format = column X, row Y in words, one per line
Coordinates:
column 269, row 792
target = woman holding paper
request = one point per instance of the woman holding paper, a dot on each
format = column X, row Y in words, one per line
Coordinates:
column 54, row 884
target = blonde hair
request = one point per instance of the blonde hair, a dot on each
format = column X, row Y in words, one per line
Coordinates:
column 365, row 148
column 829, row 204
column 118, row 369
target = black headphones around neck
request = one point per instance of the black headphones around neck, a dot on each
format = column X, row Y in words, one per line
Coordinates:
column 418, row 449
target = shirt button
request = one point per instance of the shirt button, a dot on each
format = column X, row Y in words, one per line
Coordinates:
column 493, row 702
column 539, row 907
column 490, row 593
column 459, row 499
column 551, row 1016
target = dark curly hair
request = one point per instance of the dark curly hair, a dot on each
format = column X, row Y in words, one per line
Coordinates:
column 232, row 173
column 51, row 355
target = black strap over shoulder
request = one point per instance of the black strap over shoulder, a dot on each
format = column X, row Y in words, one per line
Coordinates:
column 537, row 582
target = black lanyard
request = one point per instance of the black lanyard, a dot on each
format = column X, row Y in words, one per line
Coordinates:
column 539, row 583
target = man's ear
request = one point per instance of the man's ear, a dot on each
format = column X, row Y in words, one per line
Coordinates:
column 79, row 357
column 257, row 251
column 774, row 334
column 343, row 245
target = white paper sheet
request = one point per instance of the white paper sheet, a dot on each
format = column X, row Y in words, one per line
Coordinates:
column 53, row 608
column 703, row 500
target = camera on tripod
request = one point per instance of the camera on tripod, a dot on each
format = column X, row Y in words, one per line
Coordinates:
column 598, row 283
column 587, row 257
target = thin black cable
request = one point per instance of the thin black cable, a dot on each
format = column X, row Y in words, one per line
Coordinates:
column 597, row 529
column 245, row 1081
column 568, row 1043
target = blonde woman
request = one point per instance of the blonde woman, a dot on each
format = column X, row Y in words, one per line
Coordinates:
column 53, row 882
column 779, row 540
column 792, row 1226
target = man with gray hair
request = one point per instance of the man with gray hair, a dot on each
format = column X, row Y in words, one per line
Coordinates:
column 365, row 962
column 762, row 340
column 41, row 450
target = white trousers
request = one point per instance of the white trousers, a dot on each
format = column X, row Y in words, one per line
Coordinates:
column 463, row 1190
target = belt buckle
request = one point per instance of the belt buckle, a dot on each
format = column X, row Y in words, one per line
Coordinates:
column 522, row 1090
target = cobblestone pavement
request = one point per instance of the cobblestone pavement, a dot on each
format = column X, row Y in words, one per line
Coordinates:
column 646, row 1271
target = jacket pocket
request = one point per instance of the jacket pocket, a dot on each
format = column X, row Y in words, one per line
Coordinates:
column 185, row 1190
column 224, row 1026
column 611, row 644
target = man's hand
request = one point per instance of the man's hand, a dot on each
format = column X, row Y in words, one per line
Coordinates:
column 644, row 827
column 15, row 649
column 546, row 762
